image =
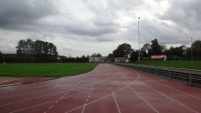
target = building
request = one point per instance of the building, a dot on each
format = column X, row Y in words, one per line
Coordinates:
column 95, row 59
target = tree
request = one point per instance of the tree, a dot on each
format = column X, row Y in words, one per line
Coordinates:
column 122, row 50
column 134, row 55
column 37, row 47
column 155, row 47
column 21, row 47
column 196, row 48
column 36, row 50
column 1, row 57
column 145, row 50
column 110, row 57
column 96, row 55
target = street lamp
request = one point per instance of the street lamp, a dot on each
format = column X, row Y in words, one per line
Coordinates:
column 139, row 39
column 191, row 49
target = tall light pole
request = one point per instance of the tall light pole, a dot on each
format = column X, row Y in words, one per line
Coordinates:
column 191, row 49
column 139, row 38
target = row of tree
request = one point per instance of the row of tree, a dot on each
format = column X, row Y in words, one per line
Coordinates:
column 173, row 53
column 32, row 51
column 37, row 47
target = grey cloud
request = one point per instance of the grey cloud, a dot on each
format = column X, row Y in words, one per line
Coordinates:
column 185, row 13
column 19, row 14
column 90, row 30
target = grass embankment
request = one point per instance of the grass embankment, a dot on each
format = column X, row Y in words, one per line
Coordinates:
column 177, row 64
column 45, row 70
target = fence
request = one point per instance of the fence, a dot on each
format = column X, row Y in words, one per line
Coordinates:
column 190, row 76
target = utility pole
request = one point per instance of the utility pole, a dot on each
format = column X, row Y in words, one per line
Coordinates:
column 139, row 38
column 191, row 49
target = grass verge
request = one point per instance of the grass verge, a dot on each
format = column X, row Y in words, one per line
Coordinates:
column 45, row 70
column 177, row 64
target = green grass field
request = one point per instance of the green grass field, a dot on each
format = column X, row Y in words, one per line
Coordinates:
column 177, row 64
column 46, row 69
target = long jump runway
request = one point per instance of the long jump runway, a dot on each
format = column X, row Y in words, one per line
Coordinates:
column 106, row 89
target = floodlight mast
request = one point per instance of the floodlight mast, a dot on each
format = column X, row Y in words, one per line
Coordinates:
column 191, row 49
column 139, row 38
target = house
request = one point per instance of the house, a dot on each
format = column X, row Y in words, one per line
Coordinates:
column 95, row 59
column 119, row 59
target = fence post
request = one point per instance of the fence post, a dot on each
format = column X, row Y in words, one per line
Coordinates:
column 190, row 78
column 169, row 73
column 156, row 70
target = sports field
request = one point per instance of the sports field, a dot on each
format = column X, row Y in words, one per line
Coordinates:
column 177, row 64
column 46, row 69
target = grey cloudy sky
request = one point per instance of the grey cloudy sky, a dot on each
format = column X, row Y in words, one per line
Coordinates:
column 84, row 27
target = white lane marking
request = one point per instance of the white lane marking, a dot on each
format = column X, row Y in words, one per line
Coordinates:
column 173, row 88
column 71, row 96
column 36, row 90
column 50, row 107
column 171, row 99
column 83, row 109
column 144, row 100
column 117, row 105
column 118, row 108
column 141, row 96
column 56, row 100
column 29, row 92
column 102, row 97
column 65, row 94
column 32, row 106
column 89, row 93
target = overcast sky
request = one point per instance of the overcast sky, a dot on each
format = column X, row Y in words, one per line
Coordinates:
column 84, row 27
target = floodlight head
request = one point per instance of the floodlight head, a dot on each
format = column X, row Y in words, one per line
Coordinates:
column 138, row 17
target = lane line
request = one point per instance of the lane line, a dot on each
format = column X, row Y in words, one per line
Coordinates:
column 36, row 89
column 117, row 105
column 171, row 99
column 173, row 89
column 45, row 96
column 56, row 100
column 65, row 94
column 89, row 93
column 102, row 97
column 69, row 97
column 144, row 100
column 141, row 96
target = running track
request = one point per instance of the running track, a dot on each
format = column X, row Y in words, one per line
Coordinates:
column 106, row 89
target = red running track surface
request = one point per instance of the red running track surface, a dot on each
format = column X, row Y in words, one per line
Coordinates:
column 106, row 89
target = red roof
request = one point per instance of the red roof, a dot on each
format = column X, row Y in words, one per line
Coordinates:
column 158, row 56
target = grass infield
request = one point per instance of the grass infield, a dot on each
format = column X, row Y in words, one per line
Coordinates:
column 46, row 69
column 177, row 64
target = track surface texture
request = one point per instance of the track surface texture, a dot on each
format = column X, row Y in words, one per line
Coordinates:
column 106, row 89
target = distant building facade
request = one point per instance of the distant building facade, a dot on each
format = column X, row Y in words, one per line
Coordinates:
column 95, row 59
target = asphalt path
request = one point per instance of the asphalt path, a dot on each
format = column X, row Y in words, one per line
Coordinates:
column 106, row 89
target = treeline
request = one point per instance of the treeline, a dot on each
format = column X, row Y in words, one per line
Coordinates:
column 29, row 51
column 31, row 58
column 37, row 47
column 173, row 53
column 64, row 59
column 27, row 58
column 154, row 48
column 36, row 51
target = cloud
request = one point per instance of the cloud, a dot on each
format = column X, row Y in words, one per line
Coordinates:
column 82, row 27
column 185, row 13
column 21, row 14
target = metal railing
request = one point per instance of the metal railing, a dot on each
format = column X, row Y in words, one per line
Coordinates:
column 190, row 76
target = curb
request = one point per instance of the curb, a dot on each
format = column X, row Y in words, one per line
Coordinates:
column 20, row 83
column 10, row 84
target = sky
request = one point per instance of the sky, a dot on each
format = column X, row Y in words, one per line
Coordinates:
column 84, row 27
